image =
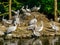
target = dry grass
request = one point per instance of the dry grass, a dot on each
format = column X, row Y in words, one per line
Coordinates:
column 22, row 31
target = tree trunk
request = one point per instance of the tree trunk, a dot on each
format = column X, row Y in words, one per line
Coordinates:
column 55, row 10
column 10, row 9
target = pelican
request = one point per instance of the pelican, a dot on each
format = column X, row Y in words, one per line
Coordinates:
column 16, row 17
column 11, row 28
column 23, row 9
column 36, row 8
column 59, row 19
column 33, row 21
column 36, row 33
column 16, row 12
column 6, row 21
column 37, row 30
column 28, row 10
column 32, row 27
column 40, row 28
column 27, row 14
column 54, row 27
column 17, row 20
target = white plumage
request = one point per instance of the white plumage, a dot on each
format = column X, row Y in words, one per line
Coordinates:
column 58, row 19
column 36, row 33
column 27, row 13
column 32, row 27
column 28, row 10
column 33, row 21
column 6, row 21
column 12, row 28
column 35, row 8
column 38, row 7
column 16, row 12
column 37, row 30
column 54, row 27
column 40, row 28
column 17, row 19
column 23, row 9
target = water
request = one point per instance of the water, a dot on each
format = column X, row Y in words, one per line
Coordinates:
column 54, row 40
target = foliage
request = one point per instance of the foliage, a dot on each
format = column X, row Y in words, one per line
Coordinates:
column 47, row 6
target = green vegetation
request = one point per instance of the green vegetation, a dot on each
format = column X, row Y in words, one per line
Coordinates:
column 47, row 6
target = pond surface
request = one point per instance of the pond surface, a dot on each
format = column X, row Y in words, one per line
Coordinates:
column 54, row 40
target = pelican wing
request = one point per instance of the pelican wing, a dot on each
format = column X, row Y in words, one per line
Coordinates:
column 33, row 21
column 36, row 33
column 10, row 29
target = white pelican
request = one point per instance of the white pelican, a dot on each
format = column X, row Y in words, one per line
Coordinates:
column 59, row 19
column 16, row 12
column 16, row 17
column 36, row 8
column 6, row 21
column 54, row 27
column 27, row 14
column 37, row 30
column 28, row 10
column 17, row 20
column 23, row 9
column 11, row 28
column 32, row 27
column 33, row 21
column 36, row 33
column 40, row 28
